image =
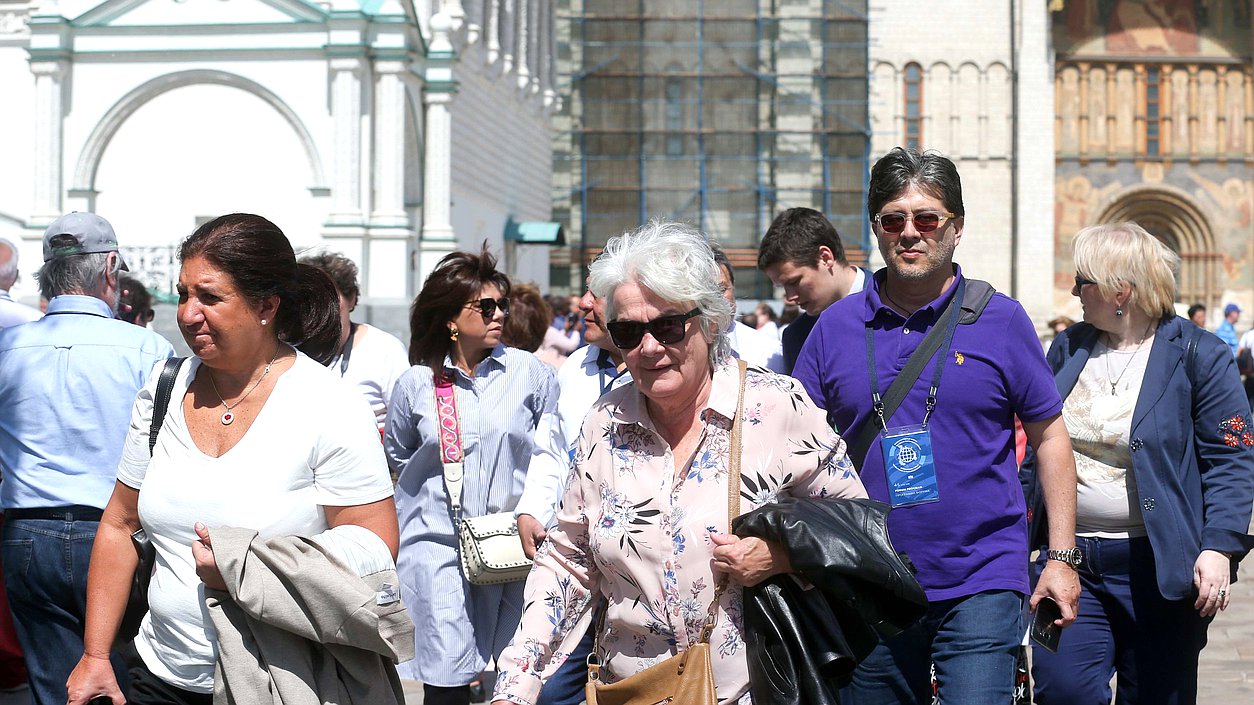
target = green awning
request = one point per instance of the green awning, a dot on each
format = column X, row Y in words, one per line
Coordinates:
column 535, row 233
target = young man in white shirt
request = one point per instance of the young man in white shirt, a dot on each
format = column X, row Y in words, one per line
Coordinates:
column 802, row 253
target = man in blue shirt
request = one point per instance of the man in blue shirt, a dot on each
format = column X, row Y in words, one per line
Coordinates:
column 945, row 459
column 11, row 312
column 65, row 407
column 1227, row 331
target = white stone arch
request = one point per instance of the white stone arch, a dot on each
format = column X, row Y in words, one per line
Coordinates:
column 108, row 126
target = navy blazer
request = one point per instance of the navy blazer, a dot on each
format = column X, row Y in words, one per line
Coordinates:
column 1194, row 474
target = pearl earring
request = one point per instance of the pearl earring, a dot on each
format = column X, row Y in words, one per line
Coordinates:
column 1119, row 312
column 263, row 321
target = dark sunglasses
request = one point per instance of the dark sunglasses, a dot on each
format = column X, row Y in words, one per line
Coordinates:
column 924, row 221
column 667, row 330
column 487, row 307
column 1081, row 281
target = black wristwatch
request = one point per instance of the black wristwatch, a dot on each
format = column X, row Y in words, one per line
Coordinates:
column 1070, row 556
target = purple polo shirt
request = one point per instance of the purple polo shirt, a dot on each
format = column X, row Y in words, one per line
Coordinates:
column 975, row 538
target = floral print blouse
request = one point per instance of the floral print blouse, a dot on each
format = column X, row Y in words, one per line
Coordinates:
column 635, row 531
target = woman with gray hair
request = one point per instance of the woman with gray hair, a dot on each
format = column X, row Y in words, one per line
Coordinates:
column 644, row 523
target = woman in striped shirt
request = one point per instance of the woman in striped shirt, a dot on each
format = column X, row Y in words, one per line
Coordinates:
column 501, row 394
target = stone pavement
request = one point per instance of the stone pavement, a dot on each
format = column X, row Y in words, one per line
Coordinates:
column 1226, row 671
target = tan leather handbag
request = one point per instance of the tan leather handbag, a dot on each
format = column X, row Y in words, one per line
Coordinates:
column 686, row 678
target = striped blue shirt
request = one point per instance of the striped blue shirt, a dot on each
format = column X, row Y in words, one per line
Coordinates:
column 499, row 408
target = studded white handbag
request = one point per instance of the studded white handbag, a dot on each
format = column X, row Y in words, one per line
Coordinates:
column 491, row 551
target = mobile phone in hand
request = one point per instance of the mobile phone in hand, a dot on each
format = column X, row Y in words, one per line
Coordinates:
column 1044, row 631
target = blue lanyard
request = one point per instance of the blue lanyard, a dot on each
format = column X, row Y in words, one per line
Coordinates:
column 951, row 324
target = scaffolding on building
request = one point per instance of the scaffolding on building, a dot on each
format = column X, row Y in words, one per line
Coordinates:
column 721, row 113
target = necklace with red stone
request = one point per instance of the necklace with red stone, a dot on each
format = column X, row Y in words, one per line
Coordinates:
column 228, row 416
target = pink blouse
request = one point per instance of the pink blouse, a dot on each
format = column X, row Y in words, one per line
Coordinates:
column 634, row 530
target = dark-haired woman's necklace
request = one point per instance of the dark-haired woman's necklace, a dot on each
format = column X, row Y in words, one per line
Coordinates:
column 228, row 416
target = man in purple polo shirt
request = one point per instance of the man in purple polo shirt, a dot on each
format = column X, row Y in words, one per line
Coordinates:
column 950, row 474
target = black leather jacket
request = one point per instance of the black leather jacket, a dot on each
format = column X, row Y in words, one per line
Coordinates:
column 805, row 641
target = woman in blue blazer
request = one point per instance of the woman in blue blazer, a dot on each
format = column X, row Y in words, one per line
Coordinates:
column 1164, row 453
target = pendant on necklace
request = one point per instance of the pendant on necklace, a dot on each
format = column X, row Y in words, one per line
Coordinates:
column 227, row 417
column 1112, row 393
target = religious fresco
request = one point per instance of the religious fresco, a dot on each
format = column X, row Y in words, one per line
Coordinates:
column 1154, row 28
column 1220, row 198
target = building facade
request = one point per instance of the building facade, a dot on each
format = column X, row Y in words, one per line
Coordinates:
column 1154, row 122
column 1067, row 113
column 394, row 131
column 720, row 113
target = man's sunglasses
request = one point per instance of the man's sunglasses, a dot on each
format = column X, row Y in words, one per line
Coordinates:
column 487, row 307
column 924, row 221
column 667, row 330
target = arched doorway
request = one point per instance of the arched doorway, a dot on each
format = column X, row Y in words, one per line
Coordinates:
column 1173, row 218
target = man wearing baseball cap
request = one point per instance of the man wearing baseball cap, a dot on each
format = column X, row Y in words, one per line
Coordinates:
column 65, row 407
column 1227, row 331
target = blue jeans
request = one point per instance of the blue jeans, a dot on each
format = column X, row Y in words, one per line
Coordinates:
column 1125, row 628
column 45, row 576
column 567, row 686
column 973, row 641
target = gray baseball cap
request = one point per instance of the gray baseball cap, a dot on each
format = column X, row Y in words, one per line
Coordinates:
column 79, row 234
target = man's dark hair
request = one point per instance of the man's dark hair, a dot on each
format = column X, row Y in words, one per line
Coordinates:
column 796, row 235
column 135, row 295
column 1195, row 308
column 932, row 172
column 722, row 260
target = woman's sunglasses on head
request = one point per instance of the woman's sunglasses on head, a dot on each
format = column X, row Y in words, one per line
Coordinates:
column 666, row 330
column 487, row 307
column 924, row 221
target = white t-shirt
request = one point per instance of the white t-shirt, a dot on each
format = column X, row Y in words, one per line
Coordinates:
column 1247, row 340
column 376, row 361
column 1100, row 424
column 313, row 444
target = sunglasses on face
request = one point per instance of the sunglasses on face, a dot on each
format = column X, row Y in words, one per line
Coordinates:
column 487, row 307
column 1081, row 281
column 924, row 221
column 666, row 330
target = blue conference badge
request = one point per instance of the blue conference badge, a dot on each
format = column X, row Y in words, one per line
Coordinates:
column 909, row 463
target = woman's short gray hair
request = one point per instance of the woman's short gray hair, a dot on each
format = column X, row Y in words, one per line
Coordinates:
column 675, row 262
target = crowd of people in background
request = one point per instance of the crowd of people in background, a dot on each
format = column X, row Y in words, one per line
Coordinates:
column 299, row 499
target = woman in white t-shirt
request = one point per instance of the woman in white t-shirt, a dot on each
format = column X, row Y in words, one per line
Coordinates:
column 257, row 434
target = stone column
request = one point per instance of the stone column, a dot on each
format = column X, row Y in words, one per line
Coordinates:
column 389, row 145
column 437, row 237
column 1034, row 177
column 346, row 114
column 49, row 93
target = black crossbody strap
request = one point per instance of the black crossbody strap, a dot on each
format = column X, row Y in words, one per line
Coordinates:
column 165, row 386
column 975, row 298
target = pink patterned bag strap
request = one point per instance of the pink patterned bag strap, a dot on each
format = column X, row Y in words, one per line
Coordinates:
column 450, row 441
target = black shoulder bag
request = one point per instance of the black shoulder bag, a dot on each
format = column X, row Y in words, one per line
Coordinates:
column 974, row 299
column 137, row 605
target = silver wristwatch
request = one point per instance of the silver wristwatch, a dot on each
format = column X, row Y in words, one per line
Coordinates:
column 1070, row 556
